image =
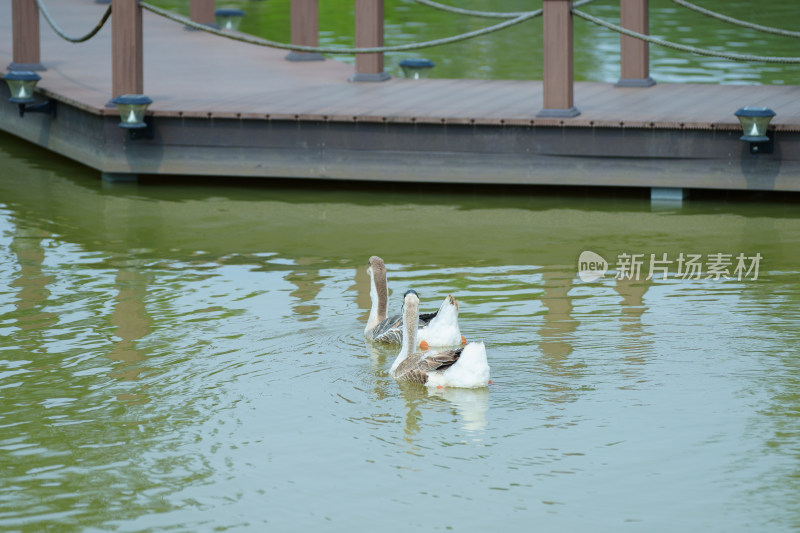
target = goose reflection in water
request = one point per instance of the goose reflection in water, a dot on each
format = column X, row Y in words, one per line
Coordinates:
column 470, row 406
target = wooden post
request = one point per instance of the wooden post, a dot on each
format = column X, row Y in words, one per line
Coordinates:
column 635, row 53
column 202, row 11
column 557, row 53
column 127, row 75
column 25, row 30
column 305, row 29
column 369, row 33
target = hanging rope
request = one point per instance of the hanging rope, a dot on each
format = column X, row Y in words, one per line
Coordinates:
column 737, row 22
column 484, row 14
column 514, row 19
column 338, row 49
column 685, row 48
column 63, row 35
column 459, row 11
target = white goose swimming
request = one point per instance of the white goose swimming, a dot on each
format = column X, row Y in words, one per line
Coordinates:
column 435, row 329
column 465, row 367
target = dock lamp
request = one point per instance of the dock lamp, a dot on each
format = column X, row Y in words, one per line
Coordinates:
column 754, row 121
column 132, row 108
column 22, row 83
column 228, row 18
column 416, row 68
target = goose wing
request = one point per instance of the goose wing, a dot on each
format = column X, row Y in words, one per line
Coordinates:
column 417, row 366
column 390, row 329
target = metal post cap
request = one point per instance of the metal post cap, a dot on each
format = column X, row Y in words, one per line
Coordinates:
column 132, row 99
column 21, row 75
column 229, row 12
column 417, row 63
column 755, row 112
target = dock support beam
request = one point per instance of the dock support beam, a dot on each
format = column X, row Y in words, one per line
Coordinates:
column 305, row 29
column 127, row 73
column 667, row 196
column 202, row 12
column 557, row 56
column 25, row 30
column 635, row 53
column 369, row 34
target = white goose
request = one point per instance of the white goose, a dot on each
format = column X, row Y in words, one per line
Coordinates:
column 465, row 367
column 435, row 329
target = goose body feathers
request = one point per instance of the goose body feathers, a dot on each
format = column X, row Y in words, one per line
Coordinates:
column 437, row 329
column 466, row 367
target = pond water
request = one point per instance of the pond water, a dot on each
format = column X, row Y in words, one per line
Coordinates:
column 190, row 357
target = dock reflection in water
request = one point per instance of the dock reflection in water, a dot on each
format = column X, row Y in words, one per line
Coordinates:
column 133, row 323
column 557, row 335
column 192, row 357
column 31, row 317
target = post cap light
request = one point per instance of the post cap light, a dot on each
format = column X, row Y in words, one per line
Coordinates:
column 754, row 121
column 416, row 68
column 132, row 108
column 21, row 83
column 229, row 19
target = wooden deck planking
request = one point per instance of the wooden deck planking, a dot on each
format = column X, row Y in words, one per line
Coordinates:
column 438, row 101
column 403, row 99
column 593, row 91
column 454, row 101
column 511, row 104
column 682, row 104
column 787, row 101
column 462, row 106
column 781, row 99
column 694, row 108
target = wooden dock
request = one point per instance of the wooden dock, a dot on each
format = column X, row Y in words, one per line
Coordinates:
column 227, row 108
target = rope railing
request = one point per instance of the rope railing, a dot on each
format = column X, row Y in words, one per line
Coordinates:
column 62, row 34
column 339, row 49
column 472, row 13
column 484, row 14
column 514, row 18
column 683, row 47
column 737, row 22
